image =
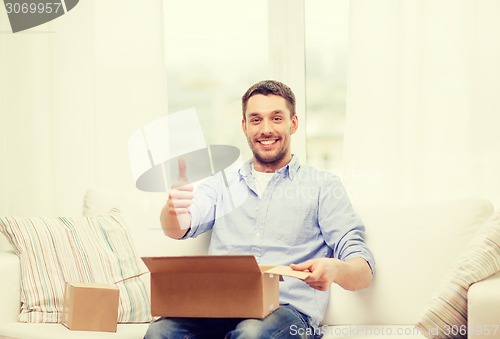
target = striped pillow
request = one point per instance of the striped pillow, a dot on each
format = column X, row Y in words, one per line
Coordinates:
column 53, row 251
column 446, row 316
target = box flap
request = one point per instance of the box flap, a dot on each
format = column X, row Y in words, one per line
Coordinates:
column 93, row 285
column 287, row 271
column 199, row 264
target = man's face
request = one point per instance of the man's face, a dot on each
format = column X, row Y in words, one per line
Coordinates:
column 268, row 128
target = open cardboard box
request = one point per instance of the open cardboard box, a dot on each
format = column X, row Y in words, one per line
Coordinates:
column 215, row 286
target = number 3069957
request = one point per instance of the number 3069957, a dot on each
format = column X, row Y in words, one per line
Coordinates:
column 33, row 7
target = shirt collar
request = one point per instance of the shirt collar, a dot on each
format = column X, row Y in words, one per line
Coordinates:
column 289, row 169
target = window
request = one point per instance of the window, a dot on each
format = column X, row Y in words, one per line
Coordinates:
column 326, row 77
column 215, row 50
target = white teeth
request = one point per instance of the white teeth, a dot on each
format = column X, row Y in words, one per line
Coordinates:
column 268, row 142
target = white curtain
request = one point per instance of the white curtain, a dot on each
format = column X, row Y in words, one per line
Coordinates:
column 72, row 91
column 423, row 101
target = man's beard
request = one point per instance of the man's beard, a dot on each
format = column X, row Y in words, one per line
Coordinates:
column 280, row 155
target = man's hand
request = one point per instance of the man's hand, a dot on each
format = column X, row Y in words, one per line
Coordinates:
column 181, row 194
column 175, row 218
column 353, row 274
column 323, row 272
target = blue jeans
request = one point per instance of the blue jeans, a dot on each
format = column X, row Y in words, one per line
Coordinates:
column 285, row 322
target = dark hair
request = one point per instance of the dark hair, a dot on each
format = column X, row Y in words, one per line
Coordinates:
column 270, row 87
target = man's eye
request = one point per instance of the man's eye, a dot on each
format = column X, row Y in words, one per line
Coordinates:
column 254, row 121
column 278, row 119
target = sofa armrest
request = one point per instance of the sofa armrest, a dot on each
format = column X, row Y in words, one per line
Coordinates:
column 483, row 303
column 9, row 287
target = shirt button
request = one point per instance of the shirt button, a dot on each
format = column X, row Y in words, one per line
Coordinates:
column 257, row 235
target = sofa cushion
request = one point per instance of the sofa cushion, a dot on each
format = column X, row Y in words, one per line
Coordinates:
column 53, row 251
column 414, row 245
column 141, row 212
column 447, row 310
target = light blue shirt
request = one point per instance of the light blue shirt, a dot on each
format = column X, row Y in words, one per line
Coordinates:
column 303, row 213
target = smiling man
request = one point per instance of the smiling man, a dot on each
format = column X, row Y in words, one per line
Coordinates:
column 268, row 123
column 292, row 215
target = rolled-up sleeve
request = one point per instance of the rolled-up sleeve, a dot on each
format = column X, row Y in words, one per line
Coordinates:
column 342, row 229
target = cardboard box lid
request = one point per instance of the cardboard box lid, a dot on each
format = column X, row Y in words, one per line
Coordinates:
column 288, row 271
column 204, row 263
column 216, row 264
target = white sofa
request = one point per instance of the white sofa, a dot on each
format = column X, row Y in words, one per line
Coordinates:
column 414, row 246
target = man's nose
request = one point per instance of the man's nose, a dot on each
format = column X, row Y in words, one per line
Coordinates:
column 266, row 127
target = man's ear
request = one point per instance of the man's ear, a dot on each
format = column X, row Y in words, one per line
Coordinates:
column 295, row 124
column 244, row 126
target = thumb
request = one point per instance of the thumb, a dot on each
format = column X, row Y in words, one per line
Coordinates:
column 182, row 176
column 302, row 266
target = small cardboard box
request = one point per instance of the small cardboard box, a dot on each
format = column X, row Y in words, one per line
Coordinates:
column 90, row 307
column 214, row 286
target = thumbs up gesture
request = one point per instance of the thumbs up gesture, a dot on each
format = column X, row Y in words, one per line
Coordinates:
column 175, row 218
column 181, row 194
